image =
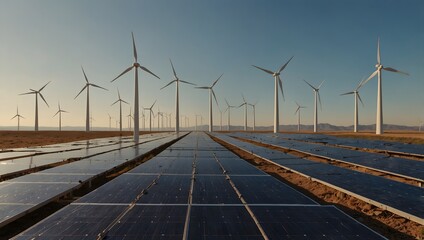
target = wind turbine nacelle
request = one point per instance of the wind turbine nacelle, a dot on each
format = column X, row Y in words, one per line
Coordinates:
column 136, row 64
column 276, row 74
column 378, row 66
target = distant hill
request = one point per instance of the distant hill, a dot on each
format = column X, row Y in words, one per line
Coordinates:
column 321, row 127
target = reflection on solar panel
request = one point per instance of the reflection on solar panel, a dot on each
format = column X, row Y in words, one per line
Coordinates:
column 402, row 199
column 27, row 193
column 176, row 195
column 399, row 166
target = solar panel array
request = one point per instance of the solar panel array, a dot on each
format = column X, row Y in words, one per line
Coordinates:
column 21, row 195
column 22, row 164
column 411, row 169
column 402, row 199
column 360, row 143
column 196, row 189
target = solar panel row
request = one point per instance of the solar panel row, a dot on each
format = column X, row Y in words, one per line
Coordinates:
column 402, row 199
column 27, row 193
column 169, row 208
column 398, row 166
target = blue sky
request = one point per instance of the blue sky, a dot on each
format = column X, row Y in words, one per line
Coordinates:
column 330, row 40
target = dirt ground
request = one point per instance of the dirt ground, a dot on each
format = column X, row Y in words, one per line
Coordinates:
column 393, row 136
column 20, row 139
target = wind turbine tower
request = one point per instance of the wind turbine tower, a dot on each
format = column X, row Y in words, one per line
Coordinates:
column 355, row 114
column 60, row 111
column 17, row 116
column 87, row 86
column 278, row 82
column 36, row 102
column 379, row 67
column 136, row 65
column 317, row 98
column 120, row 109
column 298, row 115
column 211, row 92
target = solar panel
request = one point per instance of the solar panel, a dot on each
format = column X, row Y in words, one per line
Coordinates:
column 54, row 178
column 213, row 190
column 236, row 165
column 222, row 222
column 207, row 166
column 310, row 222
column 168, row 189
column 268, row 190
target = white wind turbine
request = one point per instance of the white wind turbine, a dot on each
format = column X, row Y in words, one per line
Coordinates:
column 278, row 82
column 317, row 98
column 177, row 105
column 211, row 92
column 245, row 112
column 220, row 118
column 229, row 115
column 298, row 115
column 110, row 121
column 129, row 116
column 356, row 97
column 135, row 65
column 379, row 66
column 254, row 114
column 36, row 102
column 87, row 86
column 150, row 116
column 60, row 111
column 17, row 116
column 120, row 109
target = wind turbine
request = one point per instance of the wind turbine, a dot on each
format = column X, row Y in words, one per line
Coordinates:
column 228, row 109
column 379, row 67
column 110, row 120
column 278, row 82
column 245, row 112
column 254, row 114
column 211, row 92
column 129, row 116
column 356, row 97
column 220, row 118
column 317, row 98
column 135, row 65
column 298, row 115
column 120, row 109
column 87, row 86
column 150, row 116
column 91, row 121
column 177, row 105
column 36, row 102
column 17, row 116
column 60, row 111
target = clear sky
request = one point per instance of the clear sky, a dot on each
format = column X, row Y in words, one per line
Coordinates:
column 331, row 40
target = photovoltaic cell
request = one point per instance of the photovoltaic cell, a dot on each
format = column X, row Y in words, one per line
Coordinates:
column 214, row 190
column 222, row 222
column 169, row 189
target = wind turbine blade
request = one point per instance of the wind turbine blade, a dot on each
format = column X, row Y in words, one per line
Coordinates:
column 15, row 116
column 213, row 93
column 188, row 82
column 359, row 96
column 147, row 70
column 320, row 84
column 85, row 76
column 309, row 84
column 203, row 87
column 378, row 51
column 119, row 95
column 319, row 100
column 347, row 93
column 81, row 91
column 114, row 102
column 394, row 70
column 216, row 81
column 126, row 70
column 244, row 100
column 297, row 110
column 134, row 48
column 153, row 105
column 263, row 69
column 94, row 85
column 44, row 86
column 284, row 66
column 27, row 93
column 168, row 84
column 41, row 95
column 124, row 101
column 64, row 111
column 297, row 104
column 173, row 69
column 227, row 103
column 369, row 78
column 241, row 105
column 56, row 113
column 280, row 83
